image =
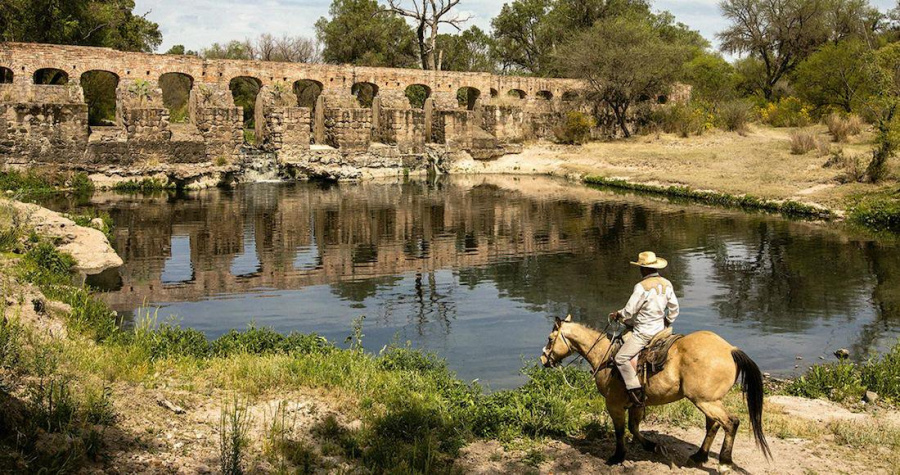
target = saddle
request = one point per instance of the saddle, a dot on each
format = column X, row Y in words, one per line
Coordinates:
column 652, row 359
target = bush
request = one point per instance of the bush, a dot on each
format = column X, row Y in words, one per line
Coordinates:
column 802, row 142
column 733, row 116
column 575, row 128
column 878, row 212
column 787, row 112
column 853, row 166
column 45, row 265
column 693, row 118
column 841, row 128
column 845, row 381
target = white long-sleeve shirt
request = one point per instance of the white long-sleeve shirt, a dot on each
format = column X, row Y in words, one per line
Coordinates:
column 651, row 304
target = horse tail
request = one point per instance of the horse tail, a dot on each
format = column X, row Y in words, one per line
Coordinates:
column 752, row 385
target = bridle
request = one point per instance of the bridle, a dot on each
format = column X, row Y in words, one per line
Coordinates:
column 548, row 350
column 554, row 363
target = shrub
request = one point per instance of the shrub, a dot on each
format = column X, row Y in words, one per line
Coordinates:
column 234, row 428
column 841, row 128
column 733, row 116
column 802, row 142
column 787, row 112
column 45, row 265
column 844, row 381
column 882, row 374
column 575, row 128
column 683, row 119
column 878, row 212
column 853, row 166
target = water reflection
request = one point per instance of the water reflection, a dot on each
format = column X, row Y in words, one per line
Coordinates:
column 474, row 268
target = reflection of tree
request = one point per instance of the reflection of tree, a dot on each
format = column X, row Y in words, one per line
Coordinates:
column 884, row 261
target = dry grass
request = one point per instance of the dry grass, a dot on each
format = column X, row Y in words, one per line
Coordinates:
column 842, row 128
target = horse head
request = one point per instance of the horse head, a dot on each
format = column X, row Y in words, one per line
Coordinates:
column 558, row 347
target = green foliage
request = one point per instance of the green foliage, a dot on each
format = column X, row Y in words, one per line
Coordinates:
column 361, row 33
column 257, row 340
column 624, row 60
column 44, row 265
column 145, row 185
column 417, row 94
column 32, row 182
column 109, row 23
column 734, row 115
column 85, row 218
column 11, row 229
column 11, row 340
column 684, row 119
column 244, row 91
column 877, row 212
column 575, row 128
column 787, row 112
column 470, row 50
column 748, row 202
column 100, row 94
column 234, row 429
column 846, row 381
column 711, row 77
column 835, row 75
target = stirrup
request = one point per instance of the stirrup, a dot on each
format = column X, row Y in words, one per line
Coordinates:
column 636, row 396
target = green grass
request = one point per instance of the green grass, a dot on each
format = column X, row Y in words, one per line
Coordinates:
column 145, row 185
column 845, row 381
column 84, row 218
column 879, row 212
column 747, row 202
column 36, row 183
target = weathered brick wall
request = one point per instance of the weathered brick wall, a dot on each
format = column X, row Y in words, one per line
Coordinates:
column 280, row 124
column 48, row 133
column 509, row 124
column 348, row 129
column 219, row 122
column 404, row 128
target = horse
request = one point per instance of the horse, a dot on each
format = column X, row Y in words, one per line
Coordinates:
column 701, row 367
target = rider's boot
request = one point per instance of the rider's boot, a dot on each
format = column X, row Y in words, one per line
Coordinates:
column 636, row 396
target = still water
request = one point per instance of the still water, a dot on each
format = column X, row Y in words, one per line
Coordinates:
column 475, row 269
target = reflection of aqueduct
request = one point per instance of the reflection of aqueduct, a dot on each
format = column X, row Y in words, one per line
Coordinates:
column 298, row 106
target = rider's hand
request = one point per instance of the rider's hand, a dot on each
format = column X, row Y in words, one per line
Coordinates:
column 613, row 316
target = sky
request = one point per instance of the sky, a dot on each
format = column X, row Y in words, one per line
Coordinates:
column 199, row 23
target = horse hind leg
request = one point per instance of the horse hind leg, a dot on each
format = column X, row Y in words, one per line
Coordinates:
column 635, row 416
column 716, row 411
column 702, row 455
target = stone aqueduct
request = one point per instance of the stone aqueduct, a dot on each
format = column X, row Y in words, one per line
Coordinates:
column 49, row 122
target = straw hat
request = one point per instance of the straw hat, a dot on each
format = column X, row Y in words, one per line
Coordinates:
column 649, row 259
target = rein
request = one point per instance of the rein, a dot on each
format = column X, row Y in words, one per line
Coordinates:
column 600, row 366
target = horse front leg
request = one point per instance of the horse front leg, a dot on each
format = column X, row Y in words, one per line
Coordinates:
column 617, row 414
column 635, row 416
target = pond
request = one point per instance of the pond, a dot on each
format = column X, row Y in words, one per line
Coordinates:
column 475, row 268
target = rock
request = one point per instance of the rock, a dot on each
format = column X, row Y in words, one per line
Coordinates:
column 97, row 223
column 870, row 397
column 10, row 192
column 799, row 357
column 842, row 354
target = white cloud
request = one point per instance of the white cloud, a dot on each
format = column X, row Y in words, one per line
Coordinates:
column 199, row 23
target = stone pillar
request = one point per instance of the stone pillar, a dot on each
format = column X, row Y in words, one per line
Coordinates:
column 429, row 120
column 376, row 116
column 319, row 121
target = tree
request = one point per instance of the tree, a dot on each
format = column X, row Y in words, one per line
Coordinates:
column 711, row 77
column 624, row 59
column 232, row 50
column 362, row 33
column 780, row 33
column 835, row 76
column 109, row 23
column 428, row 16
column 521, row 39
column 884, row 105
column 470, row 50
column 180, row 50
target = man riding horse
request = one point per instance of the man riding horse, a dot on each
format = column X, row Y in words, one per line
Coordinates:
column 651, row 308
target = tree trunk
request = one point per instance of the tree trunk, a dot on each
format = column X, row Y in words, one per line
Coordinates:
column 620, row 119
column 423, row 49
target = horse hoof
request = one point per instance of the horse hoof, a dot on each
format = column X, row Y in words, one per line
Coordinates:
column 725, row 467
column 699, row 458
column 616, row 459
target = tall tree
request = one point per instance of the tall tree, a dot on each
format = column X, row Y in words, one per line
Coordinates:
column 428, row 16
column 109, row 23
column 780, row 33
column 470, row 50
column 530, row 33
column 361, row 32
column 835, row 75
column 624, row 59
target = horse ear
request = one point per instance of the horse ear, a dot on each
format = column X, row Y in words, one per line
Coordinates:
column 569, row 318
column 557, row 322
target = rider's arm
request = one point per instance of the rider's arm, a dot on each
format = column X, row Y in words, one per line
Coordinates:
column 634, row 303
column 671, row 306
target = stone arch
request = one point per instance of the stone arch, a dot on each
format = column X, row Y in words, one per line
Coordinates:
column 244, row 90
column 365, row 93
column 570, row 96
column 6, row 75
column 417, row 94
column 494, row 92
column 51, row 76
column 307, row 92
column 467, row 97
column 99, row 88
column 516, row 93
column 545, row 95
column 176, row 94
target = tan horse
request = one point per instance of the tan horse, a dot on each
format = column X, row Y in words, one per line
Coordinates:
column 701, row 367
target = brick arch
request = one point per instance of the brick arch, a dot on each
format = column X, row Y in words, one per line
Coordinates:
column 307, row 92
column 417, row 94
column 517, row 93
column 365, row 92
column 466, row 96
column 6, row 75
column 176, row 87
column 50, row 76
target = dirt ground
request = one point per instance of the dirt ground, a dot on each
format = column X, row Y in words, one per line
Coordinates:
column 758, row 162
